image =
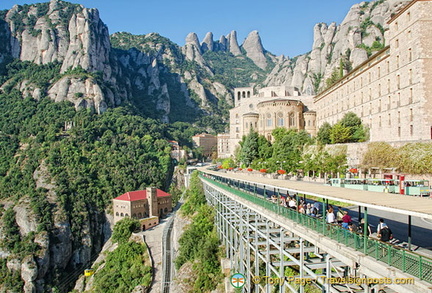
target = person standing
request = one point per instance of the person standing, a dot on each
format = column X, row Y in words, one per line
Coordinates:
column 385, row 233
column 330, row 216
column 346, row 219
column 381, row 224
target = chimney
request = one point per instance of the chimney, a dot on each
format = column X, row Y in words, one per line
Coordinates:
column 152, row 201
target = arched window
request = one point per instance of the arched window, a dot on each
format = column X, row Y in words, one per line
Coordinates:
column 126, row 215
column 134, row 216
column 269, row 121
column 121, row 215
column 280, row 119
column 292, row 119
column 117, row 214
column 139, row 215
column 165, row 210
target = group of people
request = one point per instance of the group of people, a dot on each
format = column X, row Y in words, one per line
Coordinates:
column 343, row 219
column 303, row 207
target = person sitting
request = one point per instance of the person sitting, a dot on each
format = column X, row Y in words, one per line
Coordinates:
column 361, row 228
column 352, row 227
column 308, row 209
column 302, row 209
column 292, row 203
column 339, row 216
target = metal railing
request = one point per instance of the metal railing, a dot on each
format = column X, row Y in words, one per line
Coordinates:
column 402, row 259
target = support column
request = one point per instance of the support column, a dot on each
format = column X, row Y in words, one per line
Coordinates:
column 256, row 253
column 365, row 229
column 302, row 263
column 268, row 260
column 409, row 232
column 241, row 232
column 249, row 270
column 328, row 273
column 281, row 258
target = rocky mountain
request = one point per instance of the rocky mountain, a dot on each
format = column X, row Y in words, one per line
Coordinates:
column 157, row 75
column 346, row 45
column 150, row 72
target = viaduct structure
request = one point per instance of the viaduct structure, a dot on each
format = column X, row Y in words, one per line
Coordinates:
column 264, row 240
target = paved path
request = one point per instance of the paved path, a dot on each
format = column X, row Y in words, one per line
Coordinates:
column 153, row 238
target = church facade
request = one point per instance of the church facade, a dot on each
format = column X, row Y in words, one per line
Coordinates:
column 272, row 107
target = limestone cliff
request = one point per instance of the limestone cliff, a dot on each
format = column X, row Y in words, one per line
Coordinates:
column 349, row 44
column 67, row 33
column 254, row 49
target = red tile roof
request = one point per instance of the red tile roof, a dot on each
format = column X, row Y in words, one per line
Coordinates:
column 140, row 194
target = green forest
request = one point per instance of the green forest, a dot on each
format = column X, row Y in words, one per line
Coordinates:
column 125, row 267
column 70, row 174
column 199, row 243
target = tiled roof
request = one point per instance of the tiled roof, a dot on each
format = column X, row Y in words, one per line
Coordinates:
column 140, row 194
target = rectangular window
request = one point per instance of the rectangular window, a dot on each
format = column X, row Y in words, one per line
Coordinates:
column 411, row 96
column 280, row 122
column 269, row 122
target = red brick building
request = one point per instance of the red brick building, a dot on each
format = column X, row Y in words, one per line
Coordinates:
column 145, row 205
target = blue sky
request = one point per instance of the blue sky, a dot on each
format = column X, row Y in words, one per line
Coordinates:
column 285, row 26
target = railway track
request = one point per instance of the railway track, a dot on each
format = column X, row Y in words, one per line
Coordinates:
column 167, row 257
